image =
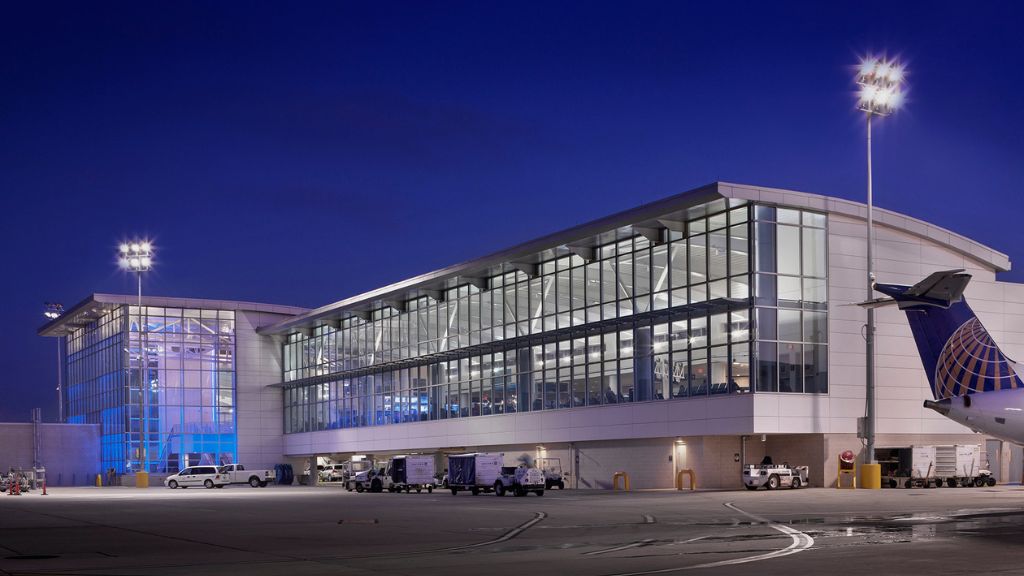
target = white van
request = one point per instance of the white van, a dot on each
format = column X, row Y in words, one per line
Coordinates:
column 207, row 476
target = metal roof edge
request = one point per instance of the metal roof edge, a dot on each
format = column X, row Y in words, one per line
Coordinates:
column 55, row 326
column 858, row 210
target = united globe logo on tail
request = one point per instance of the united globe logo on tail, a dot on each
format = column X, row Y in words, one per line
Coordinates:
column 970, row 363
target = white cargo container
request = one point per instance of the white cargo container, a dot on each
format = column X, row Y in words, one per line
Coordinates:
column 934, row 466
column 968, row 460
column 922, row 465
column 413, row 472
column 474, row 472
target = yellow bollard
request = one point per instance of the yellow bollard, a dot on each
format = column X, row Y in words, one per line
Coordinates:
column 142, row 479
column 625, row 481
column 99, row 480
column 871, row 476
column 679, row 479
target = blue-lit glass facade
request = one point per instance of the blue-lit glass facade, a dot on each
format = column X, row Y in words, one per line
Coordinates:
column 185, row 359
column 642, row 319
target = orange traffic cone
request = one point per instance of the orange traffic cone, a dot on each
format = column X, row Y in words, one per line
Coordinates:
column 44, row 487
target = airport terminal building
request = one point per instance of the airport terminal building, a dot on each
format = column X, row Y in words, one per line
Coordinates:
column 697, row 332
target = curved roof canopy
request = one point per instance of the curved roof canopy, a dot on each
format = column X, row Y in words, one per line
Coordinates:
column 649, row 220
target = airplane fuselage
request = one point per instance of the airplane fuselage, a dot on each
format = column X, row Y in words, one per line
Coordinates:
column 998, row 413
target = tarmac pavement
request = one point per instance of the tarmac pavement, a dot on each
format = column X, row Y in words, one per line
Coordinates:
column 297, row 530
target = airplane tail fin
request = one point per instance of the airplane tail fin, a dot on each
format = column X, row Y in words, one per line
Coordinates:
column 959, row 355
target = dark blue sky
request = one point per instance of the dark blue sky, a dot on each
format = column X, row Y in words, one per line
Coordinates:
column 301, row 153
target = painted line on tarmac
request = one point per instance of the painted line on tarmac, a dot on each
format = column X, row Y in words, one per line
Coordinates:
column 624, row 547
column 801, row 542
column 538, row 516
column 648, row 519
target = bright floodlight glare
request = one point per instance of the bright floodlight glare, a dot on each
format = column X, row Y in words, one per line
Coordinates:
column 136, row 256
column 867, row 67
column 881, row 83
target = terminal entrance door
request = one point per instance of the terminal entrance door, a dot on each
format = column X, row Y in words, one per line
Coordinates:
column 679, row 459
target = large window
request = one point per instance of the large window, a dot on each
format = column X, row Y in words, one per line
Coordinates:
column 791, row 298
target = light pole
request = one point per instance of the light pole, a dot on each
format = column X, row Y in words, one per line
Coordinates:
column 52, row 312
column 137, row 256
column 881, row 93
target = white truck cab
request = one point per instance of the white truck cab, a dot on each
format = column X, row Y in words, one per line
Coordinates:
column 237, row 474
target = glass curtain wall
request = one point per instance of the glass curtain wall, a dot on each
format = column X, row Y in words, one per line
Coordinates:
column 187, row 393
column 94, row 390
column 545, row 350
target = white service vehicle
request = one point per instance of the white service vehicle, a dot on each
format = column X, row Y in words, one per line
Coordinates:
column 413, row 472
column 928, row 466
column 771, row 476
column 363, row 480
column 207, row 476
column 519, row 481
column 237, row 474
column 475, row 473
column 552, row 469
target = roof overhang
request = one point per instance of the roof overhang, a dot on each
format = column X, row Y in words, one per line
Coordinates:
column 96, row 305
column 649, row 220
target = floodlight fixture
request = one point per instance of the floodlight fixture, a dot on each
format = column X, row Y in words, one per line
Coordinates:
column 136, row 256
column 881, row 86
column 53, row 310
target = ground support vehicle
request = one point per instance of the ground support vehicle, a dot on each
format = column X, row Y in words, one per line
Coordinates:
column 519, row 481
column 474, row 473
column 347, row 471
column 363, row 480
column 344, row 471
column 985, row 478
column 552, row 469
column 237, row 474
column 206, row 476
column 931, row 466
column 415, row 472
column 772, row 477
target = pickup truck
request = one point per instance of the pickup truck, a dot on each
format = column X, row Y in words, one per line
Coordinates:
column 237, row 474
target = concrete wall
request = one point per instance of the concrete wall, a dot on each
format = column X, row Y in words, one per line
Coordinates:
column 901, row 383
column 259, row 407
column 69, row 452
column 656, row 419
column 649, row 463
